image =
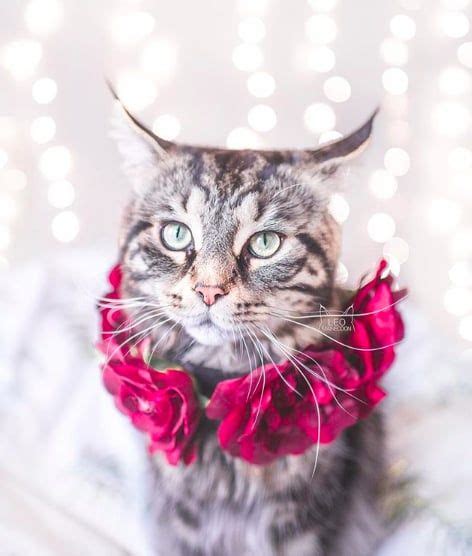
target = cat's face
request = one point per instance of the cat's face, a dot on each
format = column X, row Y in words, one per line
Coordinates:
column 228, row 242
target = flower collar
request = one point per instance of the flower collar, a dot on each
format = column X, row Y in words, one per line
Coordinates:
column 273, row 411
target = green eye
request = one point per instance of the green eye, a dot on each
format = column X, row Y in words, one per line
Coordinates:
column 176, row 236
column 264, row 244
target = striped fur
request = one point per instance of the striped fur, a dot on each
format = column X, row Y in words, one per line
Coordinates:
column 221, row 506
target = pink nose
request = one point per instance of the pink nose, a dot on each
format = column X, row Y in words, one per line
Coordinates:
column 210, row 294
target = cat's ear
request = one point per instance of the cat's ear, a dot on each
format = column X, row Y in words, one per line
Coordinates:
column 335, row 153
column 142, row 150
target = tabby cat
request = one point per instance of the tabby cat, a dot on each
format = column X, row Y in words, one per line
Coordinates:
column 223, row 242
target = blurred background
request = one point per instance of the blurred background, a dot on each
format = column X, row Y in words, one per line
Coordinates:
column 246, row 73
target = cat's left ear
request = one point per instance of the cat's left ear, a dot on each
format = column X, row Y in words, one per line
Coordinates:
column 332, row 155
column 141, row 149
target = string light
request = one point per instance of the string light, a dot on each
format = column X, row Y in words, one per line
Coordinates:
column 321, row 59
column 397, row 161
column 159, row 59
column 44, row 90
column 55, row 163
column 381, row 227
column 455, row 81
column 261, row 84
column 460, row 274
column 248, row 57
column 395, row 81
column 454, row 24
column 61, row 194
column 65, row 226
column 3, row 158
column 43, row 17
column 337, row 89
column 403, row 27
column 464, row 54
column 451, row 118
column 458, row 301
column 167, row 126
column 397, row 248
column 43, row 129
column 328, row 136
column 444, row 215
column 382, row 184
column 262, row 118
column 251, row 29
column 465, row 328
column 319, row 117
column 13, row 180
column 8, row 208
column 5, row 236
column 321, row 29
column 394, row 52
column 460, row 158
column 135, row 90
column 22, row 57
column 339, row 208
column 243, row 138
column 130, row 28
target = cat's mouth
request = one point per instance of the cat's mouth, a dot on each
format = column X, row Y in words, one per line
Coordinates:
column 207, row 331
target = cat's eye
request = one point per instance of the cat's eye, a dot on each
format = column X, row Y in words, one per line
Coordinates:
column 264, row 244
column 176, row 236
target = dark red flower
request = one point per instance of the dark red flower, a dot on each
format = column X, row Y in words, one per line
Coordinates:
column 160, row 403
column 286, row 409
column 378, row 326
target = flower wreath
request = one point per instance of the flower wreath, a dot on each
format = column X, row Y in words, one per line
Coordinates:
column 275, row 410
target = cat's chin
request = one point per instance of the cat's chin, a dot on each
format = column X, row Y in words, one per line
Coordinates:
column 209, row 334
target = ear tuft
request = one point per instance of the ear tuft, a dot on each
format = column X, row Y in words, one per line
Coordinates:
column 141, row 150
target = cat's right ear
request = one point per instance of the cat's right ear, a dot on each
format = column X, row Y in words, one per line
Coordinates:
column 143, row 152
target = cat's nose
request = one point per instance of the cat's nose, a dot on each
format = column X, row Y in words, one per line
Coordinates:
column 210, row 294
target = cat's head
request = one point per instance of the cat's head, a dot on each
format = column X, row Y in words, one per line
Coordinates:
column 223, row 241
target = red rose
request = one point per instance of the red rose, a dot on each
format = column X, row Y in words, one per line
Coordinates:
column 261, row 422
column 160, row 403
column 377, row 325
column 293, row 408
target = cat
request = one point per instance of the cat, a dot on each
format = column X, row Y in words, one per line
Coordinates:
column 224, row 243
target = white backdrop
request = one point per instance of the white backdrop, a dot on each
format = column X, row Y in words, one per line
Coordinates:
column 198, row 66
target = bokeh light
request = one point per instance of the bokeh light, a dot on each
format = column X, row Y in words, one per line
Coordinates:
column 261, row 84
column 158, row 59
column 135, row 90
column 43, row 129
column 44, row 90
column 21, row 58
column 61, row 194
column 397, row 161
column 243, row 138
column 321, row 29
column 394, row 52
column 251, row 29
column 382, row 184
column 381, row 227
column 248, row 57
column 455, row 81
column 319, row 117
column 339, row 207
column 464, row 54
column 320, row 58
column 65, row 226
column 262, row 117
column 454, row 24
column 43, row 17
column 395, row 81
column 167, row 126
column 451, row 118
column 337, row 89
column 130, row 28
column 397, row 248
column 403, row 27
column 444, row 215
column 55, row 163
column 465, row 328
column 460, row 158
